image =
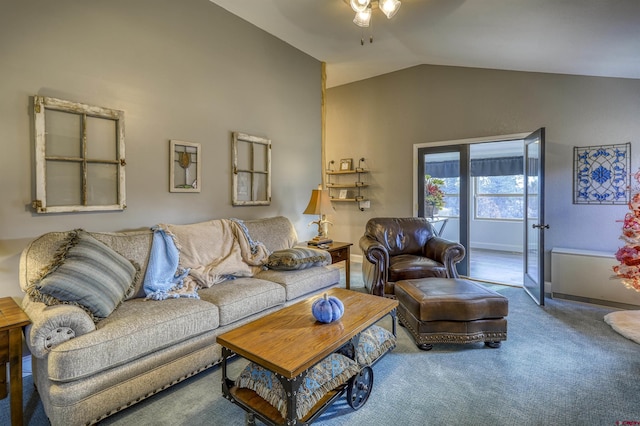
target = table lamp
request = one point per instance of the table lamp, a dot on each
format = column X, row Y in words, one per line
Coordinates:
column 320, row 204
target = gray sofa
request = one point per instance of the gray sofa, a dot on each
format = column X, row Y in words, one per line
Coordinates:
column 85, row 371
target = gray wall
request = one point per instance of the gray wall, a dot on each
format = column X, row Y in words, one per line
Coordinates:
column 383, row 117
column 184, row 70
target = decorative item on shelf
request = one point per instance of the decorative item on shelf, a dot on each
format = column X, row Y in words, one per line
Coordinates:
column 320, row 204
column 434, row 196
column 346, row 164
column 327, row 309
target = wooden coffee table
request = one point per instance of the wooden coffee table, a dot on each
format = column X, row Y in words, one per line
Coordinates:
column 290, row 341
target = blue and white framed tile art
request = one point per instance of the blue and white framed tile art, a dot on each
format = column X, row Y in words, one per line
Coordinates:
column 601, row 174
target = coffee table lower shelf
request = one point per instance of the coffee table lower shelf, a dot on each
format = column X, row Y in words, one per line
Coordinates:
column 254, row 404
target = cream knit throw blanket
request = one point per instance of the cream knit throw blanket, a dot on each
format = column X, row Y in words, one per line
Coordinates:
column 215, row 251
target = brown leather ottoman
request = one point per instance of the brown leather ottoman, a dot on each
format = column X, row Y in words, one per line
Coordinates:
column 451, row 310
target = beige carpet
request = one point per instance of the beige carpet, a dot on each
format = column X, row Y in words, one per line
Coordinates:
column 626, row 323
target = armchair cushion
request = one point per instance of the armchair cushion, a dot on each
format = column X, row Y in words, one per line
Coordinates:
column 409, row 266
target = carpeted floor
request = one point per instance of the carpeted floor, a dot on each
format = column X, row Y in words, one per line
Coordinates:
column 562, row 364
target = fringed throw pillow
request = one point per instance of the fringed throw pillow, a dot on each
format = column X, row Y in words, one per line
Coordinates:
column 330, row 373
column 85, row 273
column 374, row 342
column 295, row 258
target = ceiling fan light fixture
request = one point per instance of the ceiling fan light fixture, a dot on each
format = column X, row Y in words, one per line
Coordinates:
column 389, row 7
column 363, row 18
column 359, row 5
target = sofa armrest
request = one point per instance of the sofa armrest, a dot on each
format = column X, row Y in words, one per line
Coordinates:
column 446, row 252
column 375, row 265
column 53, row 325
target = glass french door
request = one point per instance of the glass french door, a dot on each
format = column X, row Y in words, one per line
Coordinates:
column 451, row 164
column 534, row 216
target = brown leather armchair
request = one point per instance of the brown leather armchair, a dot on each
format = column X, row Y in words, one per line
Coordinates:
column 396, row 249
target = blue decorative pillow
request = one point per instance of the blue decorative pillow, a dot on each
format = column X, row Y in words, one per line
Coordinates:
column 330, row 373
column 295, row 258
column 374, row 342
column 85, row 273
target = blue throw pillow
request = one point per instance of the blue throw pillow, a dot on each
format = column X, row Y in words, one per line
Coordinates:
column 374, row 342
column 295, row 258
column 85, row 273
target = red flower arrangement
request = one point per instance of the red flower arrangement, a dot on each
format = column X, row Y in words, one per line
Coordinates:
column 433, row 194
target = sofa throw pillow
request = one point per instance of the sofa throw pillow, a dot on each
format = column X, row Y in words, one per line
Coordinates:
column 85, row 273
column 295, row 258
column 328, row 374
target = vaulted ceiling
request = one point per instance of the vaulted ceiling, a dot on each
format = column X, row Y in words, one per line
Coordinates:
column 583, row 37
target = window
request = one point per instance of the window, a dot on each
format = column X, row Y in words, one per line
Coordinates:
column 251, row 180
column 79, row 157
column 451, row 189
column 499, row 197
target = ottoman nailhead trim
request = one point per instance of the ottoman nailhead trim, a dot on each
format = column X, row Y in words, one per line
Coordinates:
column 452, row 338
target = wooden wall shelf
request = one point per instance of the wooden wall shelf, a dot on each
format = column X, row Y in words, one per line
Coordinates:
column 346, row 185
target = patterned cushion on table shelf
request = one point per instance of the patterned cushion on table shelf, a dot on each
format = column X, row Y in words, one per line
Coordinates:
column 373, row 343
column 331, row 372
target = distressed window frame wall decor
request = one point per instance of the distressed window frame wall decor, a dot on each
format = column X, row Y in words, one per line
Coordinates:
column 79, row 157
column 185, row 166
column 251, row 170
column 601, row 174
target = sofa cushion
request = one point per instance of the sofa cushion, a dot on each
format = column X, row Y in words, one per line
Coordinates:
column 299, row 283
column 86, row 273
column 276, row 233
column 295, row 258
column 137, row 328
column 239, row 298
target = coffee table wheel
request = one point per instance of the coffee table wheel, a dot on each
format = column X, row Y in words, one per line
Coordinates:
column 359, row 388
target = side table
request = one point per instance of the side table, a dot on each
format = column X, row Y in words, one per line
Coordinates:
column 438, row 219
column 340, row 252
column 12, row 319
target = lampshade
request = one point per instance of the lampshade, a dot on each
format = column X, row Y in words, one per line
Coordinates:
column 359, row 5
column 320, row 202
column 390, row 7
column 363, row 18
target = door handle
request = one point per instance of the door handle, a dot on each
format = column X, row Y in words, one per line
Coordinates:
column 540, row 226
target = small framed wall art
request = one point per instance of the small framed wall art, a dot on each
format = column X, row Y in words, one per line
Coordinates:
column 601, row 174
column 185, row 166
column 346, row 164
